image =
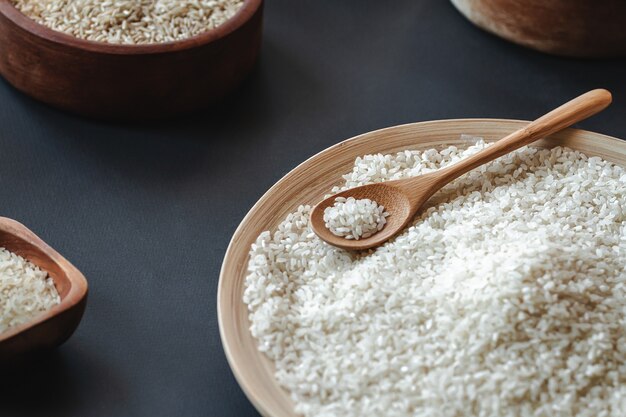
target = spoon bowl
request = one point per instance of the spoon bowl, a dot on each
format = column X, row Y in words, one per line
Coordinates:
column 390, row 195
column 403, row 198
column 395, row 196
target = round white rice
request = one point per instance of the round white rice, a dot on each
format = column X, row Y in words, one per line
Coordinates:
column 355, row 219
column 25, row 290
column 506, row 297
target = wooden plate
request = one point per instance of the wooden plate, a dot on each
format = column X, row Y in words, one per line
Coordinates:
column 53, row 327
column 306, row 184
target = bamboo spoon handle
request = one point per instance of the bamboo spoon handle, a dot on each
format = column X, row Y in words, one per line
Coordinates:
column 558, row 119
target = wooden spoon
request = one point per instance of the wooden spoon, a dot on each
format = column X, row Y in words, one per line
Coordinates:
column 403, row 198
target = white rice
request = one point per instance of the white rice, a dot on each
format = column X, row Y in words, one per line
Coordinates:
column 505, row 298
column 25, row 290
column 130, row 21
column 355, row 219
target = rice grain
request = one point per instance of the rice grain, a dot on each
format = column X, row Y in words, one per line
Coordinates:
column 355, row 219
column 25, row 290
column 506, row 297
column 130, row 22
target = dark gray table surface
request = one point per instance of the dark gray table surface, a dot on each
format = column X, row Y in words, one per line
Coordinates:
column 146, row 210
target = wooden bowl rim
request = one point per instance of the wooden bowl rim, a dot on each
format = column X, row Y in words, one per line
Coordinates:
column 78, row 283
column 18, row 18
column 229, row 335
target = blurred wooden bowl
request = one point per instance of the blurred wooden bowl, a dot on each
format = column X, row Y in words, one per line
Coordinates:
column 56, row 325
column 126, row 82
column 578, row 28
column 307, row 184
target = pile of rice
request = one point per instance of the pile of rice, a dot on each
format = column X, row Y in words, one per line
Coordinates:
column 505, row 298
column 25, row 290
column 355, row 219
column 130, row 21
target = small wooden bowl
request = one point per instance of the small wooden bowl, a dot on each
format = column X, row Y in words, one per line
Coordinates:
column 56, row 325
column 126, row 82
column 307, row 184
column 579, row 28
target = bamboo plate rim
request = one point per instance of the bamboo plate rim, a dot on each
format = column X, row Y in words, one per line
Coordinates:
column 306, row 185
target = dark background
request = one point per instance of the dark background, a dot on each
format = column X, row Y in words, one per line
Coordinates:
column 146, row 211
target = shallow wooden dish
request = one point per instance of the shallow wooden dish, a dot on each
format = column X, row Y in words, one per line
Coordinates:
column 580, row 28
column 56, row 325
column 127, row 82
column 307, row 184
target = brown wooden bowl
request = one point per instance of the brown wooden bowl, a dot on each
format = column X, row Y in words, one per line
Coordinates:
column 126, row 82
column 307, row 184
column 56, row 325
column 579, row 28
